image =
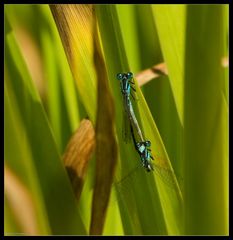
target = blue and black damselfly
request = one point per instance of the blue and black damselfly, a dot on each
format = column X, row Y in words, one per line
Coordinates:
column 126, row 79
column 126, row 82
column 141, row 145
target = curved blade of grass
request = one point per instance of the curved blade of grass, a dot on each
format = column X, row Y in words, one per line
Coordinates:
column 51, row 71
column 128, row 27
column 19, row 159
column 146, row 209
column 45, row 162
column 206, row 124
column 106, row 149
column 170, row 23
column 172, row 211
column 74, row 23
column 62, row 98
column 67, row 82
column 150, row 49
column 136, row 22
column 76, row 27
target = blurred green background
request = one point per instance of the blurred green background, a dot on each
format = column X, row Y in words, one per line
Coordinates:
column 184, row 114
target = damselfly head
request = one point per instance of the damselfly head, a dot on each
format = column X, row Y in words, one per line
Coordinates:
column 143, row 145
column 121, row 76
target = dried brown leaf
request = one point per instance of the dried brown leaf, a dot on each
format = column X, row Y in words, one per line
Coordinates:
column 158, row 70
column 154, row 72
column 78, row 153
column 106, row 147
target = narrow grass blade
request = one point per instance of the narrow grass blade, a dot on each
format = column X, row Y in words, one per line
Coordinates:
column 48, row 173
column 206, row 124
column 39, row 41
column 74, row 23
column 145, row 208
column 106, row 148
column 170, row 23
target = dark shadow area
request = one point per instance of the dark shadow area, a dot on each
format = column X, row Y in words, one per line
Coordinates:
column 76, row 181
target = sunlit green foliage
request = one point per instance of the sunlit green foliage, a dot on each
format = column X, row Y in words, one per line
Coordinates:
column 49, row 90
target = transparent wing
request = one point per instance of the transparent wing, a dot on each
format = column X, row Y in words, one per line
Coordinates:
column 133, row 90
column 166, row 175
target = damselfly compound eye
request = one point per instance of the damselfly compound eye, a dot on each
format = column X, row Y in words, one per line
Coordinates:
column 148, row 143
column 119, row 76
column 129, row 75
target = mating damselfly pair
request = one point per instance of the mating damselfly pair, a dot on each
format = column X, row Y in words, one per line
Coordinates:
column 132, row 128
column 141, row 145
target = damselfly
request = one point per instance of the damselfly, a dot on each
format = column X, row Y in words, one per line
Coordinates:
column 126, row 79
column 159, row 165
column 141, row 145
column 144, row 151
